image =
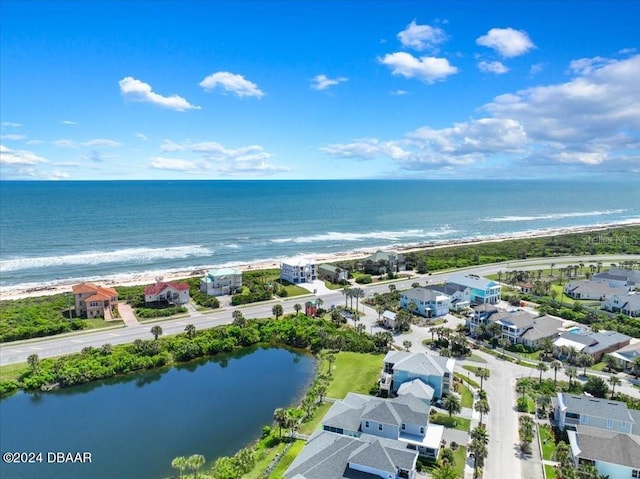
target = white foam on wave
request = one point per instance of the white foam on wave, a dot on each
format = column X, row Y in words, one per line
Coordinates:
column 553, row 216
column 127, row 255
column 376, row 235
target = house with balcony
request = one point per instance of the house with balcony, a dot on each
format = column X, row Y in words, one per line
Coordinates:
column 170, row 293
column 522, row 327
column 298, row 271
column 592, row 290
column 614, row 454
column 401, row 367
column 221, row 282
column 382, row 262
column 93, row 301
column 332, row 273
column 619, row 278
column 428, row 302
column 571, row 410
column 627, row 356
column 628, row 304
column 480, row 290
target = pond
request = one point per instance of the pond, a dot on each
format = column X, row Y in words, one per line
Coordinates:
column 134, row 426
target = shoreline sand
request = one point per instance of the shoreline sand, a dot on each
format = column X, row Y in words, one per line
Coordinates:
column 64, row 286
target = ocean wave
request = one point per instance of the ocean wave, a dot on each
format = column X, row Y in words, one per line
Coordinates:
column 553, row 216
column 377, row 235
column 127, row 255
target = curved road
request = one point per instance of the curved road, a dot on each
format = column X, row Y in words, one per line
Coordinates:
column 17, row 352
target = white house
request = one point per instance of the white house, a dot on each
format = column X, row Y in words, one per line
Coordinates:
column 482, row 291
column 298, row 271
column 401, row 367
column 177, row 293
column 619, row 277
column 221, row 281
column 628, row 304
column 585, row 289
column 429, row 303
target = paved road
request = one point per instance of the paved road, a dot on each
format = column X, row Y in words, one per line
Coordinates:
column 65, row 344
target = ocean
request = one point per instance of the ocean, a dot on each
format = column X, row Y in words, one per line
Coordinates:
column 55, row 232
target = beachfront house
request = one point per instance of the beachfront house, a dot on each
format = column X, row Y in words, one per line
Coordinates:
column 401, row 367
column 480, row 290
column 93, row 301
column 428, row 302
column 628, row 304
column 381, row 262
column 220, row 282
column 332, row 273
column 170, row 293
column 595, row 344
column 586, row 289
column 298, row 271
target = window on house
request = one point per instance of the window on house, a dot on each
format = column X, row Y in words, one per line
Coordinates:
column 421, row 430
column 404, row 426
column 609, row 423
column 584, row 419
column 379, row 427
column 635, row 473
column 366, row 424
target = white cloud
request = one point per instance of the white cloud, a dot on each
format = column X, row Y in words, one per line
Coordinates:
column 399, row 92
column 68, row 122
column 322, row 82
column 586, row 66
column 507, row 41
column 140, row 91
column 13, row 137
column 217, row 152
column 493, row 67
column 19, row 157
column 102, row 142
column 170, row 146
column 141, row 136
column 421, row 37
column 427, row 69
column 65, row 143
column 11, row 124
column 232, row 83
column 536, row 68
column 366, row 149
column 173, row 164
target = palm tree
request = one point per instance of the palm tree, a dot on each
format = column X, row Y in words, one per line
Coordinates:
column 547, row 346
column 482, row 406
column 195, row 462
column 297, row 308
column 412, row 307
column 277, row 310
column 34, row 363
column 555, row 365
column 280, row 417
column 636, row 366
column 358, row 293
column 483, row 374
column 614, row 381
column 452, row 404
column 406, row 344
column 156, row 331
column 190, row 331
column 330, row 357
column 347, row 293
column 611, row 362
column 571, row 372
column 552, row 265
column 542, row 367
column 445, row 471
column 179, row 463
column 543, row 401
column 585, row 360
column 478, row 448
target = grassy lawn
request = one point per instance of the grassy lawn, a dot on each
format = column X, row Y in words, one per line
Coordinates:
column 459, row 458
column 354, row 372
column 476, row 359
column 13, row 371
column 473, row 369
column 547, row 440
column 455, row 422
column 287, row 459
column 264, row 457
column 561, row 297
column 99, row 323
column 534, row 356
column 467, row 380
column 294, row 290
column 331, row 285
column 550, row 472
column 599, row 366
column 466, row 396
column 309, row 426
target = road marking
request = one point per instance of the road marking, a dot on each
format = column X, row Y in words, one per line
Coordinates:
column 37, row 349
column 180, row 322
column 114, row 335
column 76, row 341
column 17, row 351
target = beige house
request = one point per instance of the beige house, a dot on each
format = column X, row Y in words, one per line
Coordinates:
column 93, row 301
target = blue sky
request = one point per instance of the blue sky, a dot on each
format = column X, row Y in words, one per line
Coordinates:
column 306, row 90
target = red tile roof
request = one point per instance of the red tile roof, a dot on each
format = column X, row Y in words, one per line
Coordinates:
column 84, row 288
column 160, row 287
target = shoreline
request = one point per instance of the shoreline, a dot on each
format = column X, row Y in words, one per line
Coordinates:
column 64, row 286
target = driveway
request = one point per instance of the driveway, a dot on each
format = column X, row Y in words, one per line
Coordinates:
column 126, row 314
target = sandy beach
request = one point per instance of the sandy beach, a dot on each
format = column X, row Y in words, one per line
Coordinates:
column 11, row 293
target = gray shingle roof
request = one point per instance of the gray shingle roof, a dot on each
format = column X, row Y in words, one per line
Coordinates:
column 596, row 407
column 417, row 363
column 584, row 286
column 417, row 388
column 422, row 293
column 607, row 446
column 543, row 327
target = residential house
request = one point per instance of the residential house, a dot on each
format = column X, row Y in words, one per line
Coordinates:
column 481, row 314
column 428, row 302
column 401, row 367
column 221, row 281
column 173, row 293
column 614, row 454
column 459, row 297
column 594, row 344
column 311, row 308
column 628, row 304
column 571, row 410
column 332, row 273
column 526, row 288
column 586, row 289
column 298, row 271
column 481, row 290
column 381, row 262
column 522, row 327
column 93, row 301
column 619, row 278
column 627, row 355
column 417, row 388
